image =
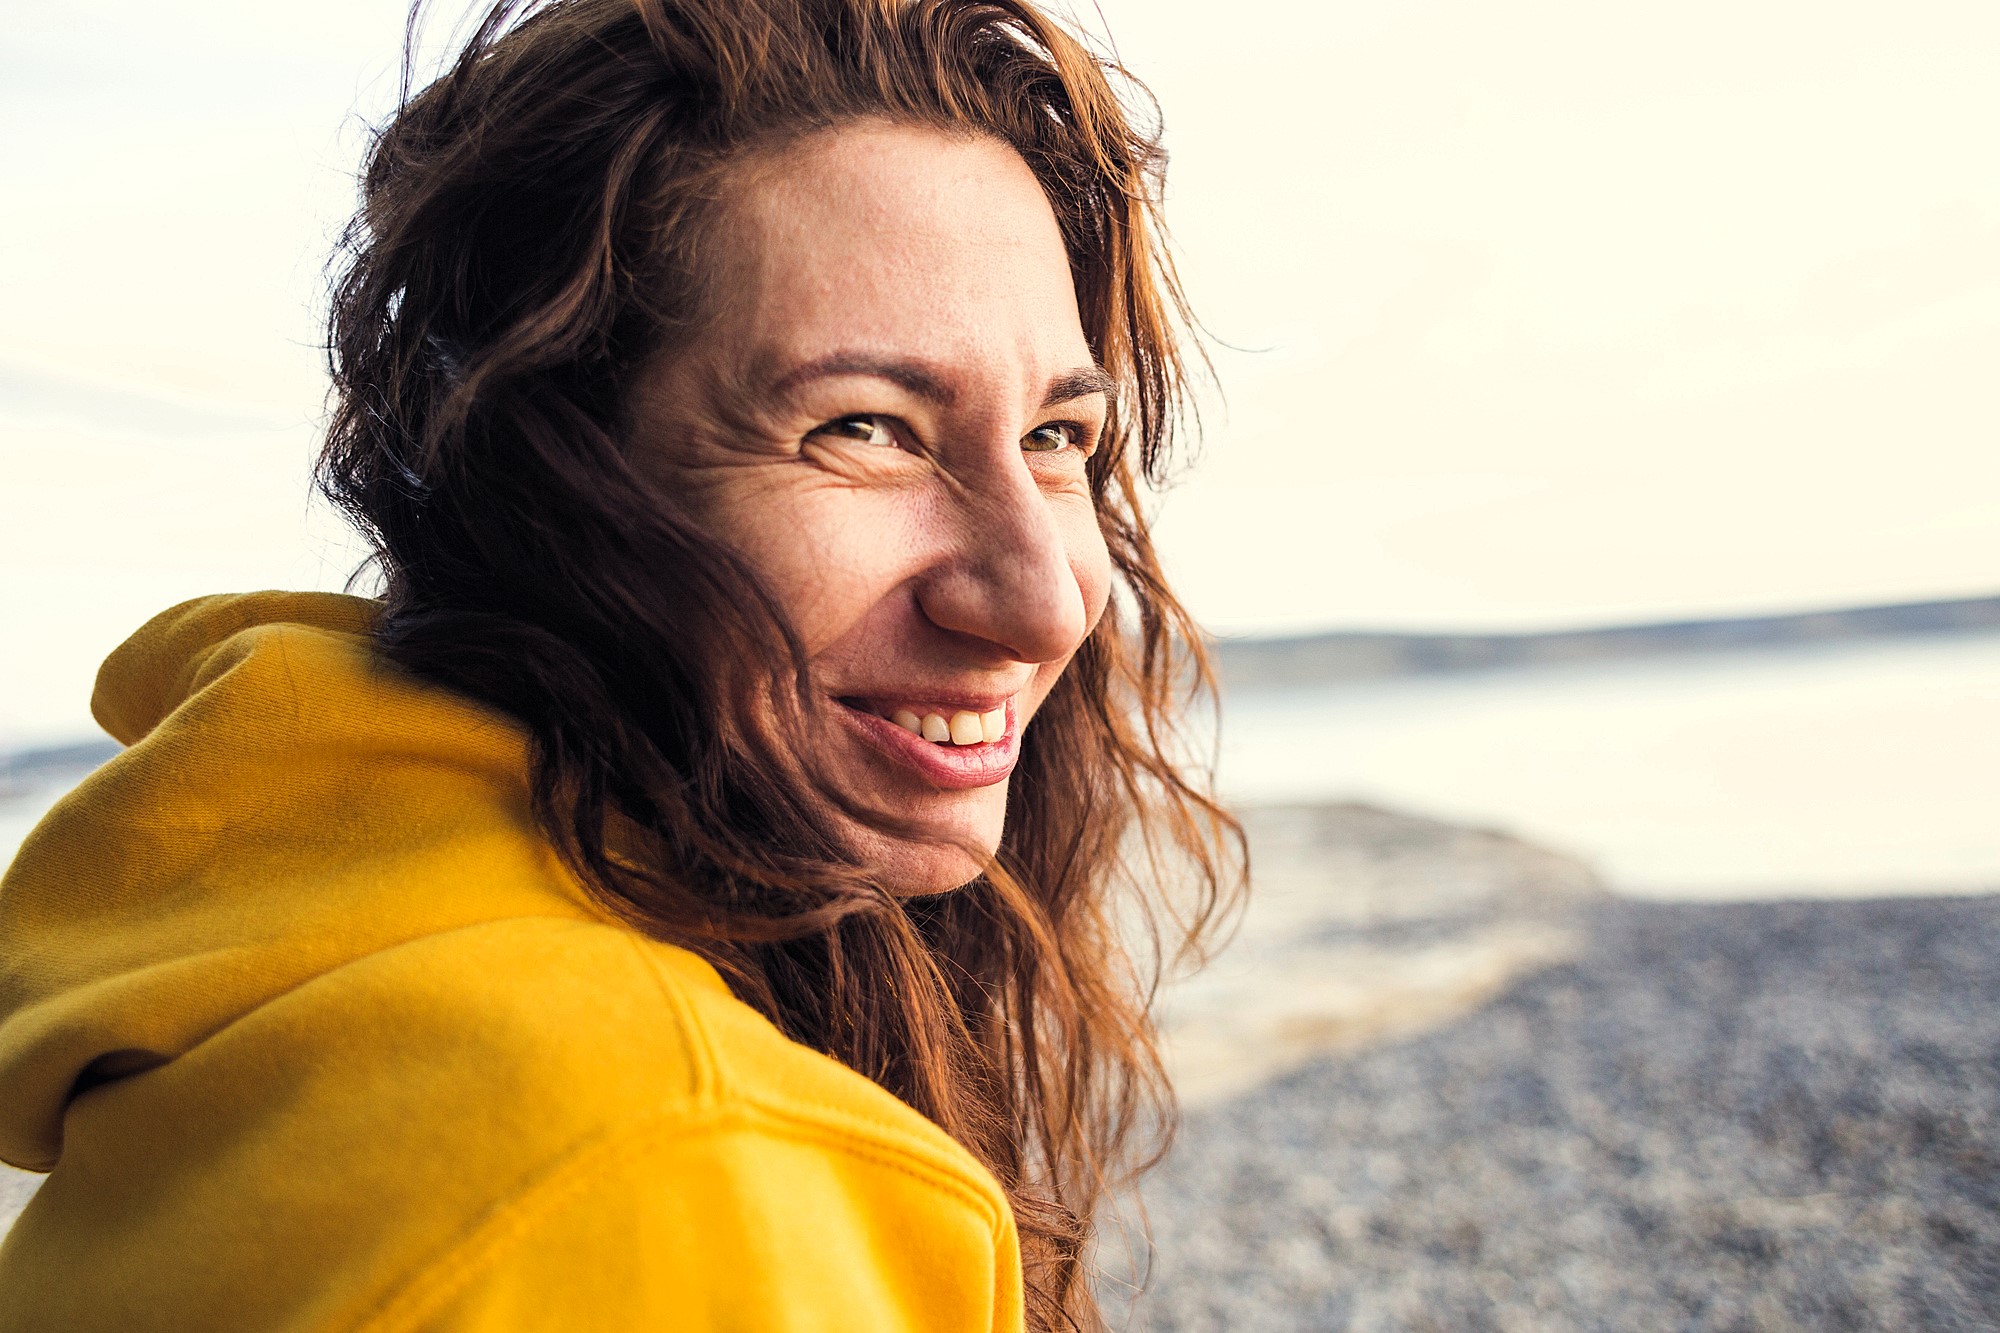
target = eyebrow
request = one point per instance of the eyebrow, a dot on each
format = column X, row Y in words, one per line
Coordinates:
column 923, row 382
column 1081, row 383
column 907, row 375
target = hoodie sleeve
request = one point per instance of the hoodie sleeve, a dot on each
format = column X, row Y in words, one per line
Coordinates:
column 743, row 1227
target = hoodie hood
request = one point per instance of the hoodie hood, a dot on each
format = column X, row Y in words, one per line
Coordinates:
column 281, row 791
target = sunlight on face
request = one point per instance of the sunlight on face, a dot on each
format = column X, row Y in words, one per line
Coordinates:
column 909, row 403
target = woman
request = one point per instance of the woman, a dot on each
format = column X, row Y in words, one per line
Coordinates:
column 691, row 897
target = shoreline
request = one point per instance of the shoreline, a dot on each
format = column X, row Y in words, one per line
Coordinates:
column 1295, row 661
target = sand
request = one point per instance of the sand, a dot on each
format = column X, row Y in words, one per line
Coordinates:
column 1734, row 1117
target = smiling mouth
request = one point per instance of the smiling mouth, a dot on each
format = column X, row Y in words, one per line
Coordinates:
column 950, row 746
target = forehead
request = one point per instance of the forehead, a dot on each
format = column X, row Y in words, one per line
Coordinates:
column 899, row 239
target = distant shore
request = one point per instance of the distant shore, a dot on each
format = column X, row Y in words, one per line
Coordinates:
column 1268, row 662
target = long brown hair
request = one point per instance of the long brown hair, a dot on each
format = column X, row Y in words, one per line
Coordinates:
column 533, row 228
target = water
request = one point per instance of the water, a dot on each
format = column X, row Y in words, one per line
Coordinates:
column 1857, row 769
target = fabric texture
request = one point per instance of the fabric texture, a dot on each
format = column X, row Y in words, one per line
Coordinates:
column 313, row 1031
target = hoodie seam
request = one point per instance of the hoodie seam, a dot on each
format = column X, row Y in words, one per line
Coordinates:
column 851, row 1132
column 707, row 1072
column 919, row 1164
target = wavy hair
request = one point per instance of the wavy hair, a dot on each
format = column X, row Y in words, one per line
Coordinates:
column 534, row 228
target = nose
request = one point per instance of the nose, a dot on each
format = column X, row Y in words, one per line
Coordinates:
column 1004, row 573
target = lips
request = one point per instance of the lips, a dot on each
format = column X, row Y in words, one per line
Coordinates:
column 948, row 747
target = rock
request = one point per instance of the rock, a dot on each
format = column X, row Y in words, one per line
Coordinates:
column 1358, row 866
column 1365, row 925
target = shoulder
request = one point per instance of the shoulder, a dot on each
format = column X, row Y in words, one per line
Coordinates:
column 589, row 1027
column 726, row 1218
column 703, row 1156
column 522, row 1124
column 635, row 1134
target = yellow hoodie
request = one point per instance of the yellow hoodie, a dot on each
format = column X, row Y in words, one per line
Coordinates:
column 312, row 1031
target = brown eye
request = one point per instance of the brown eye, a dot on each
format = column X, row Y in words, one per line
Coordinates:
column 862, row 428
column 1052, row 437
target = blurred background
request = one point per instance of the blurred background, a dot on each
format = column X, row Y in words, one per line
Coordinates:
column 1531, row 324
column 1530, row 318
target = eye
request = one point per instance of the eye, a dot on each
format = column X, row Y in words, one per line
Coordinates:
column 861, row 428
column 1057, row 435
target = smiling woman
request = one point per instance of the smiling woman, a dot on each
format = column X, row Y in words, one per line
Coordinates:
column 701, row 891
column 908, row 473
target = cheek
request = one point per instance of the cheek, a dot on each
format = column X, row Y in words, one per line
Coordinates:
column 821, row 552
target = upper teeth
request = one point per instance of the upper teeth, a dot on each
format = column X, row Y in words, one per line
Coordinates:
column 964, row 728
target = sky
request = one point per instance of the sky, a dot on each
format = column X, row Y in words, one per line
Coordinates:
column 1545, row 314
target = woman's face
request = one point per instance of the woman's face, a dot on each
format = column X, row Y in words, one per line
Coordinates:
column 890, row 419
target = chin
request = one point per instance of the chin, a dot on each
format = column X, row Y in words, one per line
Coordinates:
column 930, row 871
column 957, row 854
